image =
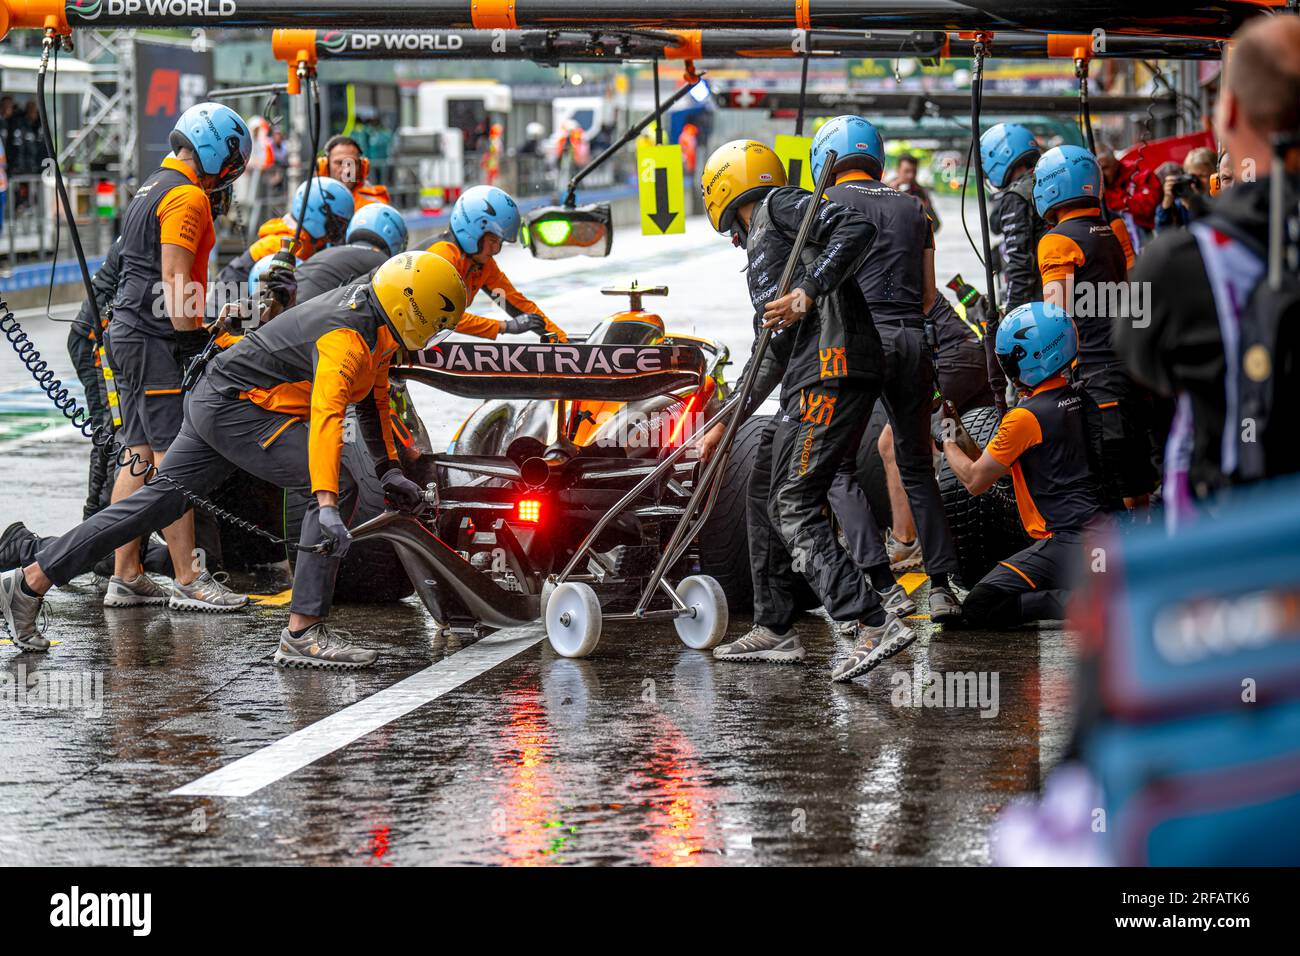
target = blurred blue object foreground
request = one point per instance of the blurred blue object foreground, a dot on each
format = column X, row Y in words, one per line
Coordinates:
column 1188, row 698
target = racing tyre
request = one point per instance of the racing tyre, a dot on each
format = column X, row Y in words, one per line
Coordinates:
column 573, row 619
column 986, row 528
column 709, row 625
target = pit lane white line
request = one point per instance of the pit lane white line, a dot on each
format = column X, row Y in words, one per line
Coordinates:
column 249, row 774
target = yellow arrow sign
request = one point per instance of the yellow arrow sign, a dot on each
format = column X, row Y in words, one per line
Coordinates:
column 663, row 202
column 793, row 151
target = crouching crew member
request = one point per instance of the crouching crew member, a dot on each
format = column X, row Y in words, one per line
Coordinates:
column 483, row 218
column 376, row 233
column 1047, row 442
column 897, row 282
column 273, row 404
column 329, row 210
column 825, row 354
column 167, row 235
column 1080, row 259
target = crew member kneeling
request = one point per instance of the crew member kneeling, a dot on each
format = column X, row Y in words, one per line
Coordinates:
column 273, row 405
column 1047, row 443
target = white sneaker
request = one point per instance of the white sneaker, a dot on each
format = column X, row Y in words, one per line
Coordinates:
column 21, row 611
column 762, row 644
column 141, row 591
column 876, row 645
column 207, row 593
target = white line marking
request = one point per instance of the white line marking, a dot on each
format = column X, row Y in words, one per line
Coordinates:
column 262, row 767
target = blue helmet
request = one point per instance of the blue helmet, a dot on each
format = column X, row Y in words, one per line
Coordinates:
column 849, row 136
column 1035, row 342
column 381, row 224
column 328, row 210
column 260, row 267
column 1064, row 174
column 480, row 210
column 1002, row 148
column 218, row 138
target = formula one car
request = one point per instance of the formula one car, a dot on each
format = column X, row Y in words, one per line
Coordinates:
column 553, row 475
column 525, row 491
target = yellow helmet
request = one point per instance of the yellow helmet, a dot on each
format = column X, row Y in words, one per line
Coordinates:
column 738, row 172
column 421, row 294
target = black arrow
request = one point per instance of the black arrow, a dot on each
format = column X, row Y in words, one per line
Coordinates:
column 661, row 217
column 794, row 176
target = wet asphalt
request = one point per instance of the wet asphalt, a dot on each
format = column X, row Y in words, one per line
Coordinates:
column 647, row 752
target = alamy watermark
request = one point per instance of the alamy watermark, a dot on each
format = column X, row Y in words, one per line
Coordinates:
column 53, row 690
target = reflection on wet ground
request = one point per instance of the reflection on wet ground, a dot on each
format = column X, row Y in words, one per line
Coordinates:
column 646, row 753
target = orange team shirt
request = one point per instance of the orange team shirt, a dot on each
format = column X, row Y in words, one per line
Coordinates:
column 1059, row 256
column 185, row 220
column 1018, row 432
column 268, row 239
column 363, row 194
column 488, row 277
column 346, row 372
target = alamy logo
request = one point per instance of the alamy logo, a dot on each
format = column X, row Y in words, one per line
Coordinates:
column 74, row 909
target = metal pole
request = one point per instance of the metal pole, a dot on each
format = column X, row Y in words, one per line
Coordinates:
column 1212, row 18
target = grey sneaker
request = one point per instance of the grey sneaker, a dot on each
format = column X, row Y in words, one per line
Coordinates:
column 143, row 590
column 944, row 606
column 905, row 556
column 321, row 646
column 207, row 593
column 21, row 612
column 897, row 601
column 762, row 644
column 875, row 645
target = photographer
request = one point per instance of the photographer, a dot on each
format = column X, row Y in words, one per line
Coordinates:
column 1185, row 189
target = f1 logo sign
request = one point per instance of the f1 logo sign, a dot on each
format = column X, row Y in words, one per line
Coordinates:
column 172, row 92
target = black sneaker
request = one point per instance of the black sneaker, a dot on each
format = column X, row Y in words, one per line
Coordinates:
column 17, row 546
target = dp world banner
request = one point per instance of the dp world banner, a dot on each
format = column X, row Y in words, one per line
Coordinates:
column 169, row 79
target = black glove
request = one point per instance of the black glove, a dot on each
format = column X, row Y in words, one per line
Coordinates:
column 337, row 535
column 400, row 490
column 186, row 345
column 528, row 322
column 280, row 279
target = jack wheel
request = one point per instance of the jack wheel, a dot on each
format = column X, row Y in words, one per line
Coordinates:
column 573, row 619
column 709, row 625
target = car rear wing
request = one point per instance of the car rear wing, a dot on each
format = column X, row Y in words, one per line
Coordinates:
column 620, row 373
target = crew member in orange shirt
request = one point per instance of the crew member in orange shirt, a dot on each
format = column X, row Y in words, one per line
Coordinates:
column 484, row 218
column 1046, row 443
column 1084, row 264
column 167, row 236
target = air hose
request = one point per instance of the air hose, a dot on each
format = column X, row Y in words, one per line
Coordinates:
column 976, row 104
column 54, row 389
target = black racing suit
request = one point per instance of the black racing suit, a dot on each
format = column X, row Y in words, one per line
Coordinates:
column 1014, row 217
column 337, row 266
column 892, row 280
column 828, row 367
column 86, row 333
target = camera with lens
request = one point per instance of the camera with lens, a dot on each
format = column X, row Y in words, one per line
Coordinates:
column 1186, row 186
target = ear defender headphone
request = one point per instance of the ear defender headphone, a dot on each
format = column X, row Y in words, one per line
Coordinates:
column 323, row 168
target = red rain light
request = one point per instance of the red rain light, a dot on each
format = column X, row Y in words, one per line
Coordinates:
column 529, row 509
